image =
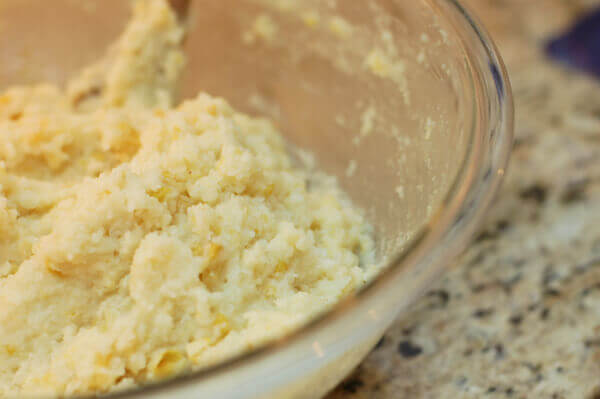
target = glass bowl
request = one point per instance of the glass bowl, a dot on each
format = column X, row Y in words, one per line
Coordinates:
column 406, row 102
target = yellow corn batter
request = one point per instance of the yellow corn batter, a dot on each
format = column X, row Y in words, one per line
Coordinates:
column 139, row 239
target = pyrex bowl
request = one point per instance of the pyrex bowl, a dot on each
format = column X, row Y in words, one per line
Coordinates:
column 407, row 102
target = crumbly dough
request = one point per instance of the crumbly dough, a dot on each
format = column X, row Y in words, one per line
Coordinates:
column 139, row 239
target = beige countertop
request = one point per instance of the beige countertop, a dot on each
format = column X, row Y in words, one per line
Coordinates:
column 517, row 315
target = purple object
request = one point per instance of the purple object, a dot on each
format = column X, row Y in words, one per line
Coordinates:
column 580, row 47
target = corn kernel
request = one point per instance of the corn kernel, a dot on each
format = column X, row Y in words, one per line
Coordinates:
column 282, row 267
column 167, row 362
column 222, row 326
column 10, row 349
column 102, row 360
column 198, row 250
column 269, row 190
column 212, row 109
column 213, row 250
column 161, row 194
column 50, row 268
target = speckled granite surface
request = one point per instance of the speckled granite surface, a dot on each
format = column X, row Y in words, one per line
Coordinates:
column 518, row 315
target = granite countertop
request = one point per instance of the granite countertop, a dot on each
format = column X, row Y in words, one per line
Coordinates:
column 517, row 315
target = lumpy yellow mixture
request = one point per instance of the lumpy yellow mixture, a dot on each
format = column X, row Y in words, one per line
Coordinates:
column 139, row 239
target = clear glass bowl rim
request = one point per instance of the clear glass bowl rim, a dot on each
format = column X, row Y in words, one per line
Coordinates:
column 413, row 253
